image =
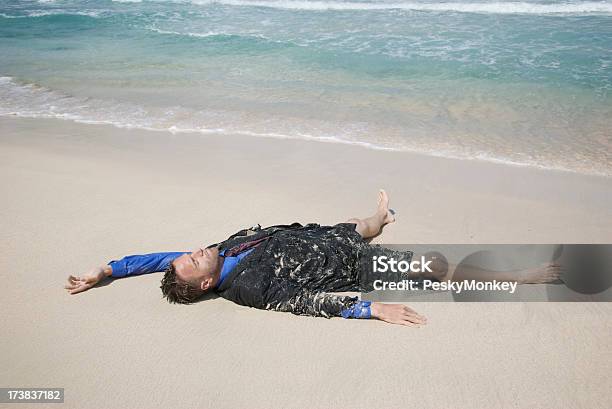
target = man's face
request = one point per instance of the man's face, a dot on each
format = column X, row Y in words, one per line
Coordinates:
column 198, row 268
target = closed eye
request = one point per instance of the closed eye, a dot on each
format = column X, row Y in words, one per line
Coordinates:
column 196, row 264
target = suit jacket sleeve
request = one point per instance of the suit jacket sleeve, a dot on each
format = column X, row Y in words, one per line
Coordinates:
column 316, row 304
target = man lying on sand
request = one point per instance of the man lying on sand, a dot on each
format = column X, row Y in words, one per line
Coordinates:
column 283, row 268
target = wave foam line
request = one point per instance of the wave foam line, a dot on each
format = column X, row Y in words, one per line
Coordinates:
column 42, row 13
column 212, row 34
column 37, row 102
column 201, row 35
column 492, row 8
column 31, row 100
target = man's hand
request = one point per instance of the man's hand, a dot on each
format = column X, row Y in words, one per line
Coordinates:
column 397, row 314
column 94, row 276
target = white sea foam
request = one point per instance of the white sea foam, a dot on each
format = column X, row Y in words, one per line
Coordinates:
column 497, row 7
column 218, row 34
column 27, row 100
column 54, row 12
column 208, row 34
column 468, row 7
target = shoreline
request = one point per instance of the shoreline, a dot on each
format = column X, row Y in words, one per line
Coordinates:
column 584, row 148
column 326, row 140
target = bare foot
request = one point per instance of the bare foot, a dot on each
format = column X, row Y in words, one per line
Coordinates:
column 542, row 274
column 383, row 207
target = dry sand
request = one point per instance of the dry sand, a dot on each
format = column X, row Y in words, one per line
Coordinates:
column 77, row 195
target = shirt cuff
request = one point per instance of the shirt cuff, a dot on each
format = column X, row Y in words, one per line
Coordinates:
column 361, row 309
column 119, row 268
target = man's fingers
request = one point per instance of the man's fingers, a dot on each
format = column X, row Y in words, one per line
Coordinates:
column 74, row 279
column 408, row 309
column 408, row 323
column 79, row 289
column 70, row 286
column 412, row 313
column 415, row 319
column 75, row 282
column 422, row 317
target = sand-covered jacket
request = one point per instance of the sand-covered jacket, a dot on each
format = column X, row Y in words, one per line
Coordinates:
column 294, row 267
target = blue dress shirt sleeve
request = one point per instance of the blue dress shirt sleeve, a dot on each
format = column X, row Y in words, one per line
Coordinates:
column 142, row 264
column 360, row 309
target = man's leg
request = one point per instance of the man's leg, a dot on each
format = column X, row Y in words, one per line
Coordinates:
column 372, row 226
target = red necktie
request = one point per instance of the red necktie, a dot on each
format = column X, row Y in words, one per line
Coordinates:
column 242, row 247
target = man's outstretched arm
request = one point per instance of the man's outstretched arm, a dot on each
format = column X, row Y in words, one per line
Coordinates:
column 126, row 267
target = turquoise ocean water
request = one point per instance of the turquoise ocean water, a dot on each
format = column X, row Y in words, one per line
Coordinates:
column 525, row 83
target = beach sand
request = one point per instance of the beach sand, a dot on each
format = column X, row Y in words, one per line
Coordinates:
column 78, row 195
